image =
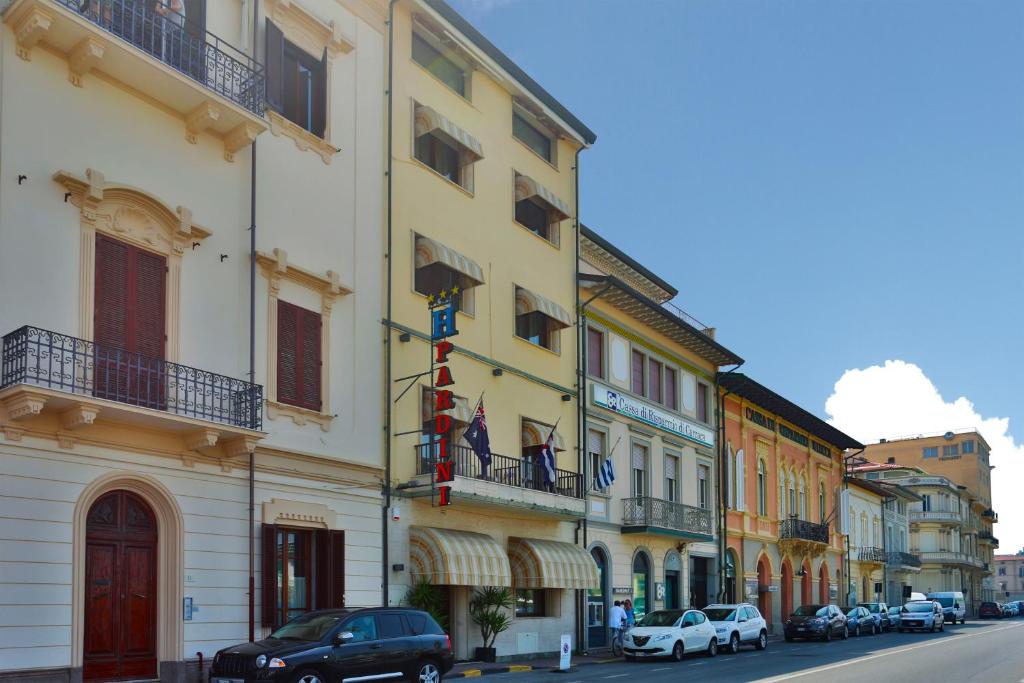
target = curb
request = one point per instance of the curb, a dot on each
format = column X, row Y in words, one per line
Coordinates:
column 520, row 668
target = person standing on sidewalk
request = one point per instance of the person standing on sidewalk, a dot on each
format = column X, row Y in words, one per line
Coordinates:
column 630, row 614
column 617, row 623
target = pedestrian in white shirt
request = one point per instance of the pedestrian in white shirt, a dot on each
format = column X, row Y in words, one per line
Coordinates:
column 616, row 619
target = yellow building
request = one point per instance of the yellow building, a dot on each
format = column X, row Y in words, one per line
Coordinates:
column 483, row 172
column 650, row 414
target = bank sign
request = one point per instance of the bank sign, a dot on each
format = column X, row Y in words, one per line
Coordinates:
column 616, row 402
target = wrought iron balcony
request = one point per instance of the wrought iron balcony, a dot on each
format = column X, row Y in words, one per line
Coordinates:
column 521, row 473
column 870, row 554
column 901, row 559
column 50, row 360
column 644, row 511
column 802, row 530
column 987, row 537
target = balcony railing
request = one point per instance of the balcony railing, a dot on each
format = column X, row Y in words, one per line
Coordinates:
column 987, row 537
column 869, row 554
column 802, row 530
column 935, row 516
column 518, row 472
column 901, row 559
column 57, row 361
column 181, row 44
column 665, row 514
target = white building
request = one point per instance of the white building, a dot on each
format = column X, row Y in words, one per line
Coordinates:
column 127, row 418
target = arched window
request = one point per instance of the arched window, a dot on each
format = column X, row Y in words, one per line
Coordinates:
column 803, row 497
column 793, row 510
column 782, row 494
column 762, row 489
column 821, row 502
column 741, row 481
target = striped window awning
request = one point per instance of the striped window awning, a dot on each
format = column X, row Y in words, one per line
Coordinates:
column 448, row 557
column 536, row 434
column 528, row 302
column 428, row 120
column 527, row 187
column 551, row 564
column 430, row 251
column 462, row 413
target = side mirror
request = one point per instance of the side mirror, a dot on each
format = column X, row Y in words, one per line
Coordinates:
column 741, row 620
column 343, row 637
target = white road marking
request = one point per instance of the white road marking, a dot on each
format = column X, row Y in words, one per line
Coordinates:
column 919, row 646
column 616, row 676
column 664, row 668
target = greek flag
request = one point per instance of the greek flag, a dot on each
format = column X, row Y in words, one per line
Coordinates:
column 605, row 475
column 547, row 460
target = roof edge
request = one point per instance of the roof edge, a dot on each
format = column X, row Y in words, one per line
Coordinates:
column 602, row 242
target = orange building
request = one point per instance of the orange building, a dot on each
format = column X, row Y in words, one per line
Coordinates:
column 782, row 473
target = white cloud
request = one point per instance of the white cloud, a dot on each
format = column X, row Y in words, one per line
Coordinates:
column 897, row 399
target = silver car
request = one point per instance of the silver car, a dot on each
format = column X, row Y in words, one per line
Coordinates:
column 922, row 615
column 737, row 625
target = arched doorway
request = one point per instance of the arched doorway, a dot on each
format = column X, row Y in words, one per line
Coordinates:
column 673, row 576
column 642, row 602
column 805, row 584
column 597, row 603
column 120, row 636
column 787, row 588
column 730, row 576
column 823, row 584
column 764, row 582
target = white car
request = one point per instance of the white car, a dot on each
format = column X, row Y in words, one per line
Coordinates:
column 670, row 633
column 737, row 625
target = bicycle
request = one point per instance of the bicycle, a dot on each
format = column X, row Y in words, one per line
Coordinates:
column 617, row 634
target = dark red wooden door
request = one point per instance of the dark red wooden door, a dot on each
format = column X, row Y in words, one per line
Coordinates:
column 120, row 589
column 129, row 324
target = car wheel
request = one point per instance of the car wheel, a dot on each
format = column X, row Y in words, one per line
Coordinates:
column 734, row 643
column 828, row 634
column 307, row 676
column 846, row 632
column 713, row 647
column 762, row 640
column 942, row 626
column 876, row 629
column 678, row 651
column 932, row 629
column 427, row 672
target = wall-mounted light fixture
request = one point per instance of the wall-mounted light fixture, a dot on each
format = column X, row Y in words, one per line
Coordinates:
column 404, row 337
column 497, row 372
column 566, row 397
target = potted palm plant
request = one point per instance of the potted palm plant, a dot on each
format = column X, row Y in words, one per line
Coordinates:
column 489, row 609
column 425, row 596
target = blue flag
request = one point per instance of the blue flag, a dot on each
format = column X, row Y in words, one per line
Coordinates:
column 547, row 461
column 605, row 475
column 478, row 439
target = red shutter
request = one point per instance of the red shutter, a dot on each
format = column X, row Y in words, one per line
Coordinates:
column 337, row 596
column 329, row 580
column 268, row 592
column 110, row 314
column 274, row 59
column 150, row 300
column 298, row 356
column 287, row 352
column 310, row 360
column 319, row 103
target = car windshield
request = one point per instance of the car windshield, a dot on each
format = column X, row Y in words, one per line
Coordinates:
column 811, row 611
column 872, row 607
column 945, row 602
column 894, row 610
column 852, row 611
column 309, row 627
column 665, row 617
column 918, row 607
column 721, row 613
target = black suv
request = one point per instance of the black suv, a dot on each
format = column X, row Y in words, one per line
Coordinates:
column 338, row 644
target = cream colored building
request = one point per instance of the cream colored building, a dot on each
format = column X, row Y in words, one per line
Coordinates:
column 483, row 168
column 650, row 411
column 128, row 416
column 1009, row 577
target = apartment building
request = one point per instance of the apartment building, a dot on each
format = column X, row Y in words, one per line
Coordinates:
column 1009, row 577
column 483, row 170
column 190, row 432
column 649, row 419
column 783, row 475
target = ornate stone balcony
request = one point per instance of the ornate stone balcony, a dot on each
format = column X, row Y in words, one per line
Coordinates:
column 654, row 515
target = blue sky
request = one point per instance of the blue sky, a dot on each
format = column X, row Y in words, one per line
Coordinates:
column 830, row 183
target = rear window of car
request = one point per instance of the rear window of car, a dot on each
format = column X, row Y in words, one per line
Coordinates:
column 391, row 625
column 421, row 623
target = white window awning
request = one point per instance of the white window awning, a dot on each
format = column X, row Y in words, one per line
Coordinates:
column 527, row 187
column 428, row 120
column 528, row 302
column 536, row 434
column 430, row 251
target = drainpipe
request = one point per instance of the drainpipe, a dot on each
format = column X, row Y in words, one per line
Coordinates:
column 723, row 465
column 252, row 351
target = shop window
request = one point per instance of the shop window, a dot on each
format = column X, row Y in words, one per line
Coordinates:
column 303, row 569
column 595, row 353
column 428, row 53
column 533, row 136
column 298, row 356
column 531, row 602
column 296, row 82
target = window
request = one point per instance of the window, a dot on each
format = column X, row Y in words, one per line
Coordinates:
column 671, row 478
column 872, row 475
column 803, row 498
column 639, row 469
column 702, row 402
column 439, row 268
column 821, row 501
column 671, row 389
column 595, row 353
column 534, row 217
column 538, row 320
column 931, row 452
column 298, row 356
column 638, row 382
column 530, row 602
column 952, row 451
column 437, row 277
column 363, row 628
column 534, row 328
column 762, row 489
column 436, row 62
column 703, row 486
column 391, row 625
column 654, row 369
column 967, row 447
column 1020, row 571
column 926, row 502
column 595, row 449
column 296, row 82
column 303, row 569
column 440, row 156
column 1002, row 571
column 532, row 136
column 793, row 510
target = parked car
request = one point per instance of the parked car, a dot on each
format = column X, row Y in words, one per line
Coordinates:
column 990, row 610
column 670, row 633
column 737, row 625
column 1007, row 610
column 816, row 621
column 880, row 612
column 859, row 621
column 922, row 615
column 894, row 616
column 954, row 605
column 336, row 644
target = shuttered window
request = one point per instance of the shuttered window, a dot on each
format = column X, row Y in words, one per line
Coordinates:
column 302, row 569
column 296, row 82
column 298, row 356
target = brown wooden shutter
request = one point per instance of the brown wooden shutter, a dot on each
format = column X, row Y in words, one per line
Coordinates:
column 274, row 59
column 310, row 360
column 149, row 303
column 110, row 312
column 322, row 571
column 287, row 352
column 268, row 592
column 320, row 99
column 337, row 570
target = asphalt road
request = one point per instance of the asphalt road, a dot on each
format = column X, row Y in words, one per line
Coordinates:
column 981, row 651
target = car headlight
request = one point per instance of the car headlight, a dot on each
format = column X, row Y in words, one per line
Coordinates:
column 261, row 661
column 276, row 663
column 818, row 622
column 663, row 636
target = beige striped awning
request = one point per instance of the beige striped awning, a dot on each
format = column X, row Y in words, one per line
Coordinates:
column 527, row 187
column 551, row 564
column 448, row 557
column 461, row 413
column 428, row 120
column 430, row 251
column 536, row 434
column 528, row 302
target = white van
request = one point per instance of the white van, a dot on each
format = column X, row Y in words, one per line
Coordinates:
column 954, row 606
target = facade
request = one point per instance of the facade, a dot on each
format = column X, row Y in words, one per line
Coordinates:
column 129, row 421
column 1009, row 578
column 864, row 550
column 483, row 173
column 649, row 415
column 783, row 474
column 962, row 458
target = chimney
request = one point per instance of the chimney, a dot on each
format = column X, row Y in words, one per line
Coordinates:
column 891, row 460
column 881, row 441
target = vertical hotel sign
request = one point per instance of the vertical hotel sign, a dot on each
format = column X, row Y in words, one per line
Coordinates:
column 442, row 326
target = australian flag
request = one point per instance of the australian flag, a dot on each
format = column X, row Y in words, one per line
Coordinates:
column 547, row 462
column 477, row 438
